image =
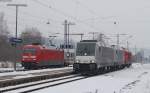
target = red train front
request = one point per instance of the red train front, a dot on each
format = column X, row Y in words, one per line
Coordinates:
column 35, row 56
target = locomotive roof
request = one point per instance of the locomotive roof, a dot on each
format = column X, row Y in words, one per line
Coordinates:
column 88, row 41
column 39, row 46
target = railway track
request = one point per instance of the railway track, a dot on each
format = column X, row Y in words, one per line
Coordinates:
column 7, row 71
column 11, row 80
column 35, row 86
column 31, row 87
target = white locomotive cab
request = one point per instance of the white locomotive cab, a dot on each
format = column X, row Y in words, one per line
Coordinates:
column 85, row 56
column 85, row 52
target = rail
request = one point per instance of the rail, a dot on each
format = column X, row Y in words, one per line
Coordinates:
column 44, row 84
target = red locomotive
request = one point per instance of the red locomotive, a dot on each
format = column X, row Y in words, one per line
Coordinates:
column 35, row 56
column 127, row 58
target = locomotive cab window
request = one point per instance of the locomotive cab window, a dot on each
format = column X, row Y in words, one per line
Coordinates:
column 85, row 49
column 29, row 50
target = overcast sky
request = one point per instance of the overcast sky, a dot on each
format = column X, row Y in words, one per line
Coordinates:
column 132, row 17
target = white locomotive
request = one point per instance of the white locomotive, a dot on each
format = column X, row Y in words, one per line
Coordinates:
column 91, row 55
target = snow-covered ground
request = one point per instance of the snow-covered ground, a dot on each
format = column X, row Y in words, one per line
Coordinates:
column 135, row 79
column 31, row 71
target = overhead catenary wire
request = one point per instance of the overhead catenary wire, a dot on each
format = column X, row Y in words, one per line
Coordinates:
column 26, row 20
column 36, row 17
column 86, row 7
column 66, row 15
column 24, row 13
column 56, row 11
column 95, row 17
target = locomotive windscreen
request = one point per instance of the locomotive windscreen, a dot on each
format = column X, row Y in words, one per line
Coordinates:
column 29, row 50
column 85, row 49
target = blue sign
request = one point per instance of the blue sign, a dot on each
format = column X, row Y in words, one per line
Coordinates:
column 15, row 40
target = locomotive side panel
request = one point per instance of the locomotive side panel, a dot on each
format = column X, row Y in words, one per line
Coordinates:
column 51, row 58
column 120, row 57
column 104, row 56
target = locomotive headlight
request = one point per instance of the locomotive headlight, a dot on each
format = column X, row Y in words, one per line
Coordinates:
column 92, row 61
column 34, row 59
column 77, row 61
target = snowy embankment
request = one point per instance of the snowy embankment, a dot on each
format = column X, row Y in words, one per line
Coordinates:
column 135, row 79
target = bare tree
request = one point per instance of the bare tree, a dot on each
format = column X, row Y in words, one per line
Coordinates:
column 3, row 25
column 31, row 35
column 9, row 52
column 6, row 51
